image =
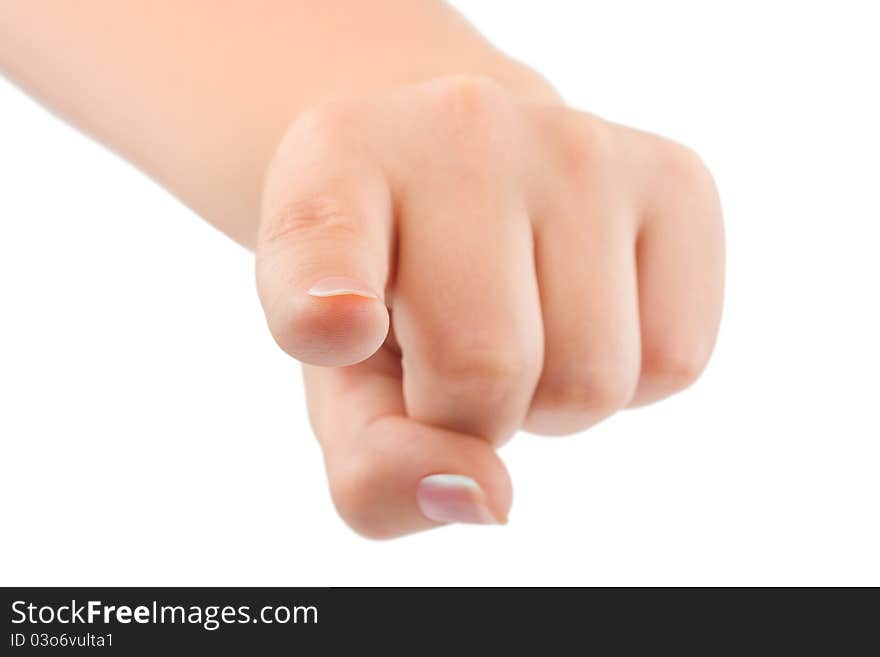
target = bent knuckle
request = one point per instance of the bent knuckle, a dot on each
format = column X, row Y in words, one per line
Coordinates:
column 323, row 123
column 586, row 146
column 473, row 106
column 673, row 370
column 356, row 486
column 684, row 172
column 588, row 391
column 472, row 94
column 491, row 369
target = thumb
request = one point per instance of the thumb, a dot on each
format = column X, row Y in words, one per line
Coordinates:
column 323, row 255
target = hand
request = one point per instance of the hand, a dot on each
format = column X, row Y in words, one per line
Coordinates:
column 538, row 267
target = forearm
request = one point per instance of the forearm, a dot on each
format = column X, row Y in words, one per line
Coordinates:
column 198, row 93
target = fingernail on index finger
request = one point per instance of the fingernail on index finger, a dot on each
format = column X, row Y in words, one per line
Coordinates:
column 455, row 498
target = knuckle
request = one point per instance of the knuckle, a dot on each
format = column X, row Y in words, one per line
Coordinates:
column 473, row 102
column 588, row 392
column 314, row 134
column 302, row 215
column 673, row 369
column 354, row 484
column 324, row 122
column 472, row 93
column 684, row 171
column 492, row 370
column 586, row 145
column 304, row 185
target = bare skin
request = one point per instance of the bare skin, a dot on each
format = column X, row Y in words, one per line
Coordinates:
column 452, row 252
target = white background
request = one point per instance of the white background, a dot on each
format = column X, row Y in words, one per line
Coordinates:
column 151, row 432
